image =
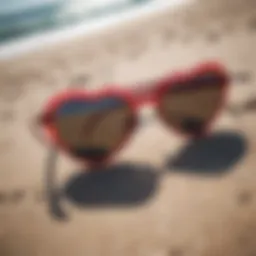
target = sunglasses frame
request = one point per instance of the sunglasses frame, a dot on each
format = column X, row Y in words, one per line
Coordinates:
column 135, row 97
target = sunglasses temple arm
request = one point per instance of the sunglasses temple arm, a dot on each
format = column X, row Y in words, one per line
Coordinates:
column 53, row 193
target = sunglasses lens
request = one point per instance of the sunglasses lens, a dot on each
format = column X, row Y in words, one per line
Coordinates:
column 93, row 129
column 190, row 105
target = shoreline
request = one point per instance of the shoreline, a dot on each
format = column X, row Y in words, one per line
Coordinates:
column 15, row 48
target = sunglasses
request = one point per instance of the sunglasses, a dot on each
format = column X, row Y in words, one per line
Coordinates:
column 94, row 126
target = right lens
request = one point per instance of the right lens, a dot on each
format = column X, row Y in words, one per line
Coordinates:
column 190, row 104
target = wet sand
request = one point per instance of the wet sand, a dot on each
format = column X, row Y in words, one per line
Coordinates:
column 165, row 196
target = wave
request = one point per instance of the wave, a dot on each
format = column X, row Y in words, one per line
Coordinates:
column 23, row 17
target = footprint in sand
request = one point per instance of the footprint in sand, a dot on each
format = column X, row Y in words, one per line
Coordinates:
column 7, row 115
column 112, row 48
column 213, row 36
column 135, row 49
column 40, row 196
column 243, row 76
column 79, row 81
column 228, row 27
column 168, row 35
column 3, row 197
column 252, row 23
column 244, row 198
column 5, row 146
column 187, row 38
column 176, row 252
column 17, row 195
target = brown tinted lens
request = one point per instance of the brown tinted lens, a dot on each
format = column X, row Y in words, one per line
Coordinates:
column 93, row 129
column 189, row 106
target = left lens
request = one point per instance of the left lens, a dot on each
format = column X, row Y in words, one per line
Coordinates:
column 93, row 129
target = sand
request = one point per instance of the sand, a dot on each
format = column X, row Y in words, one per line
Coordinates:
column 165, row 196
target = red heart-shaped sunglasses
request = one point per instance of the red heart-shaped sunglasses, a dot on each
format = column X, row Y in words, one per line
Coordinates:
column 93, row 126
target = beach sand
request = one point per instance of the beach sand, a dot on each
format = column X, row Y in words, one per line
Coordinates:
column 165, row 196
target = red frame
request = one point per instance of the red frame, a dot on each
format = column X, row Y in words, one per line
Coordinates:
column 135, row 98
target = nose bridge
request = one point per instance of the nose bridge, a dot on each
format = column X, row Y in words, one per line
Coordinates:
column 146, row 98
column 145, row 94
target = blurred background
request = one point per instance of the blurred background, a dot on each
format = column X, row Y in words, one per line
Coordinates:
column 23, row 17
column 165, row 195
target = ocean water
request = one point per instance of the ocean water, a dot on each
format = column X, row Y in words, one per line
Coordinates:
column 19, row 18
